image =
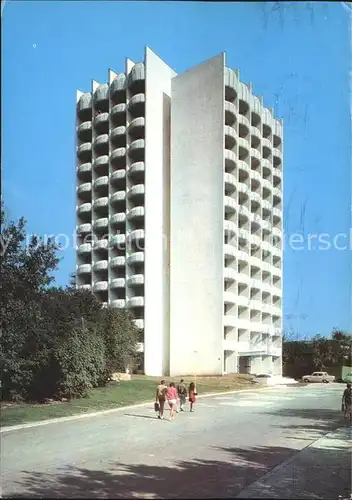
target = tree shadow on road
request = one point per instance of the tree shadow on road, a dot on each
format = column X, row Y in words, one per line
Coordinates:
column 318, row 421
column 225, row 477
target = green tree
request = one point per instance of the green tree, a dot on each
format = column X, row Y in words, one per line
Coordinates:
column 120, row 336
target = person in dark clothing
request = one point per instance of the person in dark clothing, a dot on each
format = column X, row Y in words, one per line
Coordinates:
column 182, row 393
column 347, row 402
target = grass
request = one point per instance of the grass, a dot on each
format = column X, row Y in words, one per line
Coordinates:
column 116, row 394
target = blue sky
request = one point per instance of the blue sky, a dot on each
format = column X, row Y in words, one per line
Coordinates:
column 297, row 57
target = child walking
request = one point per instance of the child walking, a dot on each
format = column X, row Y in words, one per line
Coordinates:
column 192, row 393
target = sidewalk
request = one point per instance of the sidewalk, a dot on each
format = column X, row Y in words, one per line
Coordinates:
column 322, row 470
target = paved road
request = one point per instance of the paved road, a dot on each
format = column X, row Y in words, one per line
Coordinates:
column 227, row 444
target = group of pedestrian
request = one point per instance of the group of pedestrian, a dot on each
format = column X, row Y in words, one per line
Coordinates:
column 172, row 395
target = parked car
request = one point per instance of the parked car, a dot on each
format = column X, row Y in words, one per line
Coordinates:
column 319, row 377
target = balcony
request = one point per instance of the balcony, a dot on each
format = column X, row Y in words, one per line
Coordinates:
column 243, row 189
column 118, row 136
column 230, row 161
column 100, row 286
column 84, row 171
column 118, row 113
column 118, row 177
column 242, row 301
column 230, row 113
column 277, row 212
column 230, row 275
column 136, row 213
column 101, row 123
column 84, row 249
column 139, row 323
column 231, row 84
column 136, row 150
column 102, row 183
column 136, row 78
column 277, row 175
column 101, row 245
column 101, row 95
column 119, row 241
column 230, row 137
column 136, row 170
column 84, row 209
column 267, row 168
column 230, row 205
column 101, row 224
column 135, row 258
column 244, row 169
column 230, row 228
column 101, row 265
column 267, row 118
column 84, row 131
column 230, row 251
column 243, row 147
column 86, row 287
column 118, row 262
column 118, row 88
column 136, row 128
column 84, row 106
column 134, row 302
column 84, row 269
column 101, row 144
column 117, row 283
column 118, row 219
column 101, row 204
column 230, row 182
column 101, row 164
column 136, row 104
column 256, row 157
column 136, row 280
column 137, row 235
column 230, row 298
column 244, row 212
column 266, row 185
column 243, row 120
column 118, row 197
column 84, row 151
column 118, row 303
column 118, row 157
column 84, row 191
column 136, row 191
column 84, row 229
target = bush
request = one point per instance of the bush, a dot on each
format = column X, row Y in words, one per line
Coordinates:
column 54, row 342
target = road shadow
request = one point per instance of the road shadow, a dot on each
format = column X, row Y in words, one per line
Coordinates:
column 222, row 478
column 318, row 420
column 140, row 416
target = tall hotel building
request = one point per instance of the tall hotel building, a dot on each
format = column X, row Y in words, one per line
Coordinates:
column 179, row 214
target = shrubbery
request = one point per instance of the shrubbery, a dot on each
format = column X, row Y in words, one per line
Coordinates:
column 55, row 342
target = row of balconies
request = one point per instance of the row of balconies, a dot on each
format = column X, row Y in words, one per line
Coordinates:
column 241, row 93
column 233, row 164
column 101, row 125
column 233, row 322
column 116, row 91
column 135, row 150
column 250, row 305
column 118, row 241
column 251, row 349
column 261, row 150
column 84, row 191
column 84, row 171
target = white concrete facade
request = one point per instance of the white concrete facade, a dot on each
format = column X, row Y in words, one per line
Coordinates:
column 179, row 214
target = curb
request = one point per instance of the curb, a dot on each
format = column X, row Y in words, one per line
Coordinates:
column 39, row 423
